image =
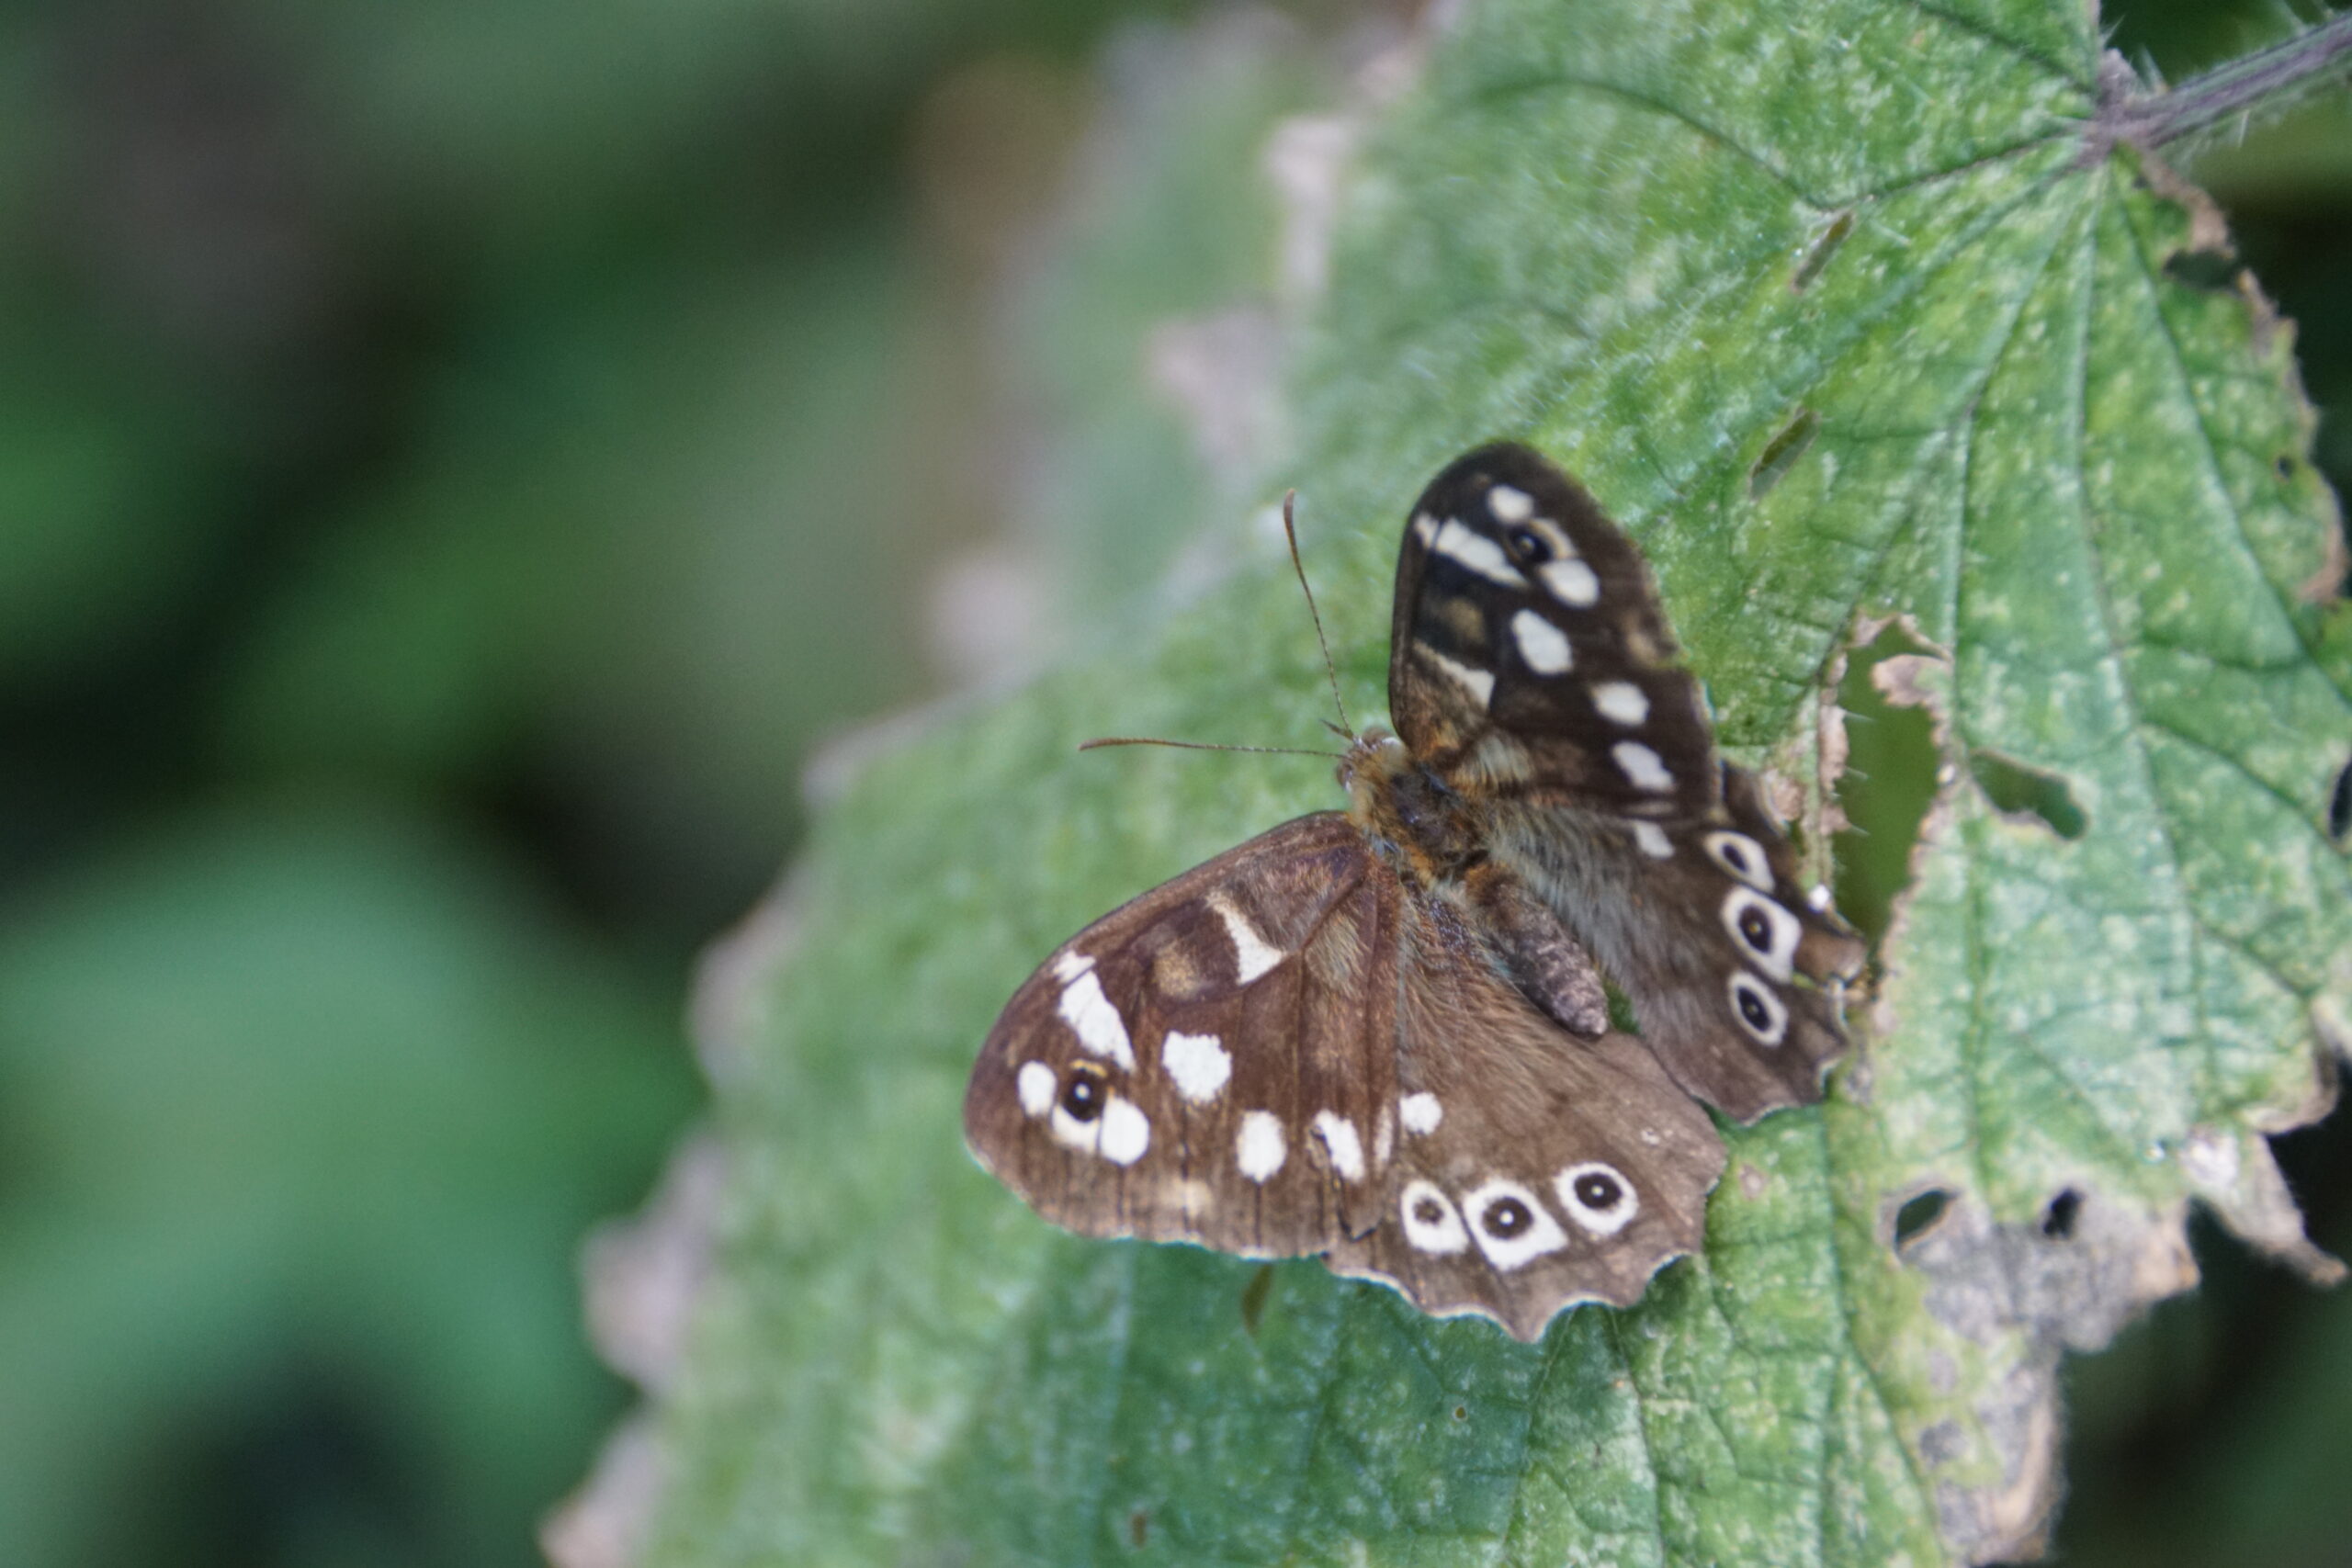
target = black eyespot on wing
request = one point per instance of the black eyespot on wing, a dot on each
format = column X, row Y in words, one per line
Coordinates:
column 1755, row 930
column 1507, row 1218
column 1083, row 1097
column 1752, row 1008
column 1428, row 1212
column 1597, row 1192
column 1529, row 547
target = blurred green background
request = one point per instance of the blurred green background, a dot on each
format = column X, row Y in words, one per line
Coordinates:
column 457, row 462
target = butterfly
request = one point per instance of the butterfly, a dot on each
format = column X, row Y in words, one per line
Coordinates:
column 1384, row 1034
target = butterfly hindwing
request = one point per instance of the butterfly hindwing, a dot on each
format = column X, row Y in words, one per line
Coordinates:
column 1532, row 1168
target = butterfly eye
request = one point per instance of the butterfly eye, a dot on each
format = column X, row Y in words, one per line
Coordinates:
column 1084, row 1099
column 1528, row 546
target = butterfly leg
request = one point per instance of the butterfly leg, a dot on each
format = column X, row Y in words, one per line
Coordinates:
column 1548, row 964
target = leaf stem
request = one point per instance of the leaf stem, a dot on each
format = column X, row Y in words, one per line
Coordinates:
column 2268, row 79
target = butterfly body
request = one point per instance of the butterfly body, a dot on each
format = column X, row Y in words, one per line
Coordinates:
column 1383, row 1035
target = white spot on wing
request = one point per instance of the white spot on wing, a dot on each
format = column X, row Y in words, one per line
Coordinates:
column 1420, row 1113
column 1641, row 766
column 1571, row 581
column 1621, row 702
column 1431, row 1224
column 1425, row 529
column 1260, row 1149
column 1510, row 503
column 1653, row 840
column 1480, row 684
column 1486, row 1208
column 1542, row 644
column 1197, row 1063
column 1127, row 1132
column 1036, row 1083
column 1097, row 1023
column 1745, row 905
column 1071, row 1133
column 1476, row 552
column 1071, row 965
column 1252, row 955
column 1604, row 1219
column 1338, row 1135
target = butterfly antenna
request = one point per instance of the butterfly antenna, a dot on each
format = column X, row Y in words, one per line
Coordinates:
column 1199, row 746
column 1331, row 670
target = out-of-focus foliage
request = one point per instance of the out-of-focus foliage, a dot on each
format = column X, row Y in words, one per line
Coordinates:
column 456, row 463
column 305, row 1108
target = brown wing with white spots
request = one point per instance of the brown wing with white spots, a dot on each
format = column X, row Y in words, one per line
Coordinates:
column 1534, row 670
column 1527, row 649
column 1731, row 971
column 1208, row 1062
column 1530, row 1169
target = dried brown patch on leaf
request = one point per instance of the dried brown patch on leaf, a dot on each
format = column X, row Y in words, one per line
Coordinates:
column 2016, row 1297
column 608, row 1522
column 642, row 1277
column 731, row 998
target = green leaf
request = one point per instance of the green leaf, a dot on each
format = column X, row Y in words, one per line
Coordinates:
column 1831, row 304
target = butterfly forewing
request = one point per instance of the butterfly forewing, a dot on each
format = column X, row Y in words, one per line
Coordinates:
column 1162, row 1075
column 1533, row 668
column 1528, row 650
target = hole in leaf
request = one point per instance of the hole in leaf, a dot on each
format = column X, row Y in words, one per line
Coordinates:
column 1822, row 248
column 2285, row 465
column 1888, row 784
column 1916, row 1218
column 1461, row 1413
column 1253, row 1298
column 1781, row 453
column 2339, row 805
column 2215, row 270
column 2058, row 1219
column 2015, row 788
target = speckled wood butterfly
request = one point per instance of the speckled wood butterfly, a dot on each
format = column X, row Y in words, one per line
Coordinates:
column 1383, row 1035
